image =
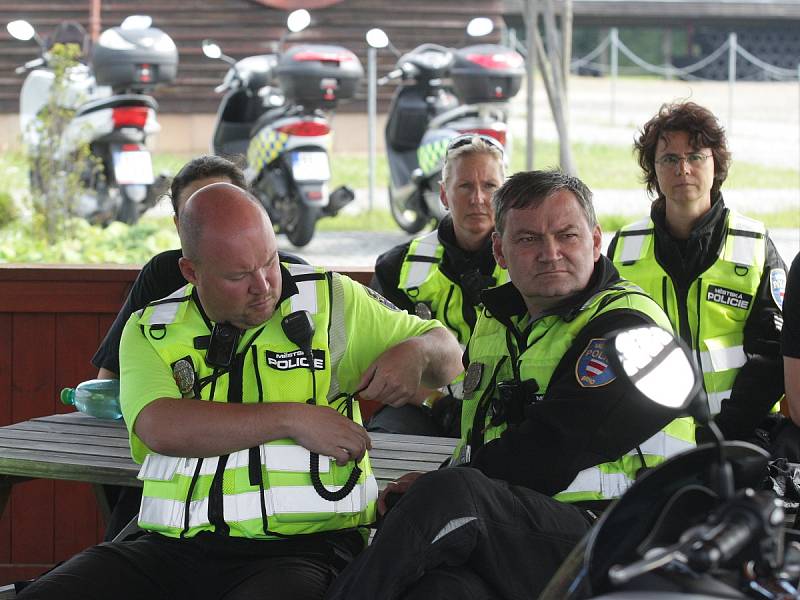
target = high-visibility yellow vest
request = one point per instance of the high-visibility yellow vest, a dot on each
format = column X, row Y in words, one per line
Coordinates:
column 553, row 337
column 262, row 492
column 718, row 302
column 423, row 282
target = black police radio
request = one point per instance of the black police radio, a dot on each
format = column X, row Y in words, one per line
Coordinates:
column 222, row 345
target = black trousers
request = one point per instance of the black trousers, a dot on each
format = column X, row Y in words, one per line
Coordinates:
column 458, row 534
column 204, row 567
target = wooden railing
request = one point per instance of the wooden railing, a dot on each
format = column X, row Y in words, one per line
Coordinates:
column 52, row 319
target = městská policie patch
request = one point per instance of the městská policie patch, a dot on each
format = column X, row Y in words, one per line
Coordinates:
column 728, row 297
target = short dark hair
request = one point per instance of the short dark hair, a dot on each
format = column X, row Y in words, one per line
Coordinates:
column 203, row 167
column 530, row 188
column 704, row 131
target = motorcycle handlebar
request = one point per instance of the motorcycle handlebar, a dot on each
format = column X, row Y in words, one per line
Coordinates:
column 733, row 534
column 394, row 74
column 31, row 64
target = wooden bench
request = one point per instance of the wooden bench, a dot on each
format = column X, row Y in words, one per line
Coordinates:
column 78, row 447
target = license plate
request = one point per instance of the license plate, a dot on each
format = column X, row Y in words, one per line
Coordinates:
column 133, row 166
column 310, row 166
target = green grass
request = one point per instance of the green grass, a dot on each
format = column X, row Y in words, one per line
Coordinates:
column 602, row 167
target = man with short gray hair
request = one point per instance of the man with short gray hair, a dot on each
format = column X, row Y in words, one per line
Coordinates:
column 549, row 433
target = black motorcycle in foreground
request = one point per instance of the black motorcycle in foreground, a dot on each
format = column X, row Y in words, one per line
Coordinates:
column 696, row 526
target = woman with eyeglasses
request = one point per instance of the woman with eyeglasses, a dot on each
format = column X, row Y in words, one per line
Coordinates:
column 440, row 275
column 715, row 272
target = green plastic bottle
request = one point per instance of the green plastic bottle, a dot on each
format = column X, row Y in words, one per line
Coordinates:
column 96, row 397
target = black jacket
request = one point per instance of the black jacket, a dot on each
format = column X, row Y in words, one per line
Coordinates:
column 571, row 427
column 455, row 264
column 760, row 381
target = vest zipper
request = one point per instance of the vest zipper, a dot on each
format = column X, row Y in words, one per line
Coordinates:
column 445, row 310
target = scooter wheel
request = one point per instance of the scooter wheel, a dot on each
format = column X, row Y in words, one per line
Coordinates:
column 407, row 214
column 300, row 226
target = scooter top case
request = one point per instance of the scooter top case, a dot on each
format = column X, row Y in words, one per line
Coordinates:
column 318, row 76
column 134, row 59
column 487, row 73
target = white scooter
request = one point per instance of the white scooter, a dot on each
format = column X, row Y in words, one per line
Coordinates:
column 275, row 111
column 112, row 112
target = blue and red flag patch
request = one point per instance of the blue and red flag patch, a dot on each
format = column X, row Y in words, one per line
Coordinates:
column 777, row 284
column 593, row 368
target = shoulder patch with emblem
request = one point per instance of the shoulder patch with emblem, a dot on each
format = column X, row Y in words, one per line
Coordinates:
column 593, row 369
column 472, row 377
column 777, row 285
column 376, row 296
column 183, row 373
column 423, row 311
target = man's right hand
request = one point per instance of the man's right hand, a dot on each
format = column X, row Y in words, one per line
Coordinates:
column 323, row 430
column 397, row 487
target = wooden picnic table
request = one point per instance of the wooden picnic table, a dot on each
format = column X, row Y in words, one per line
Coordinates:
column 78, row 447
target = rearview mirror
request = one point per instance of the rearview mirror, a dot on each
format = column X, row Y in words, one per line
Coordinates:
column 298, row 20
column 377, row 38
column 211, row 49
column 480, row 26
column 21, row 30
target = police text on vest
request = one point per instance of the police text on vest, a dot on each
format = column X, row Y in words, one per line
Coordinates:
column 286, row 361
column 728, row 297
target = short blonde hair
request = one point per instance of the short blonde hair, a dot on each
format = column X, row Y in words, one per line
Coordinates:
column 477, row 145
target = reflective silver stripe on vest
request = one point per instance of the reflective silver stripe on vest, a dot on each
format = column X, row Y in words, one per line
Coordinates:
column 632, row 244
column 722, row 359
column 294, row 459
column 663, row 444
column 306, row 299
column 337, row 334
column 610, row 485
column 246, row 506
column 418, row 270
column 164, row 314
column 715, row 401
column 744, row 247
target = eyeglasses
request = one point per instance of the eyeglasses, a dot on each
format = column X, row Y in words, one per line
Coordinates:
column 465, row 139
column 671, row 161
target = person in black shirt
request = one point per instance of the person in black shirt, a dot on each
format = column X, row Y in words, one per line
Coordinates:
column 790, row 340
